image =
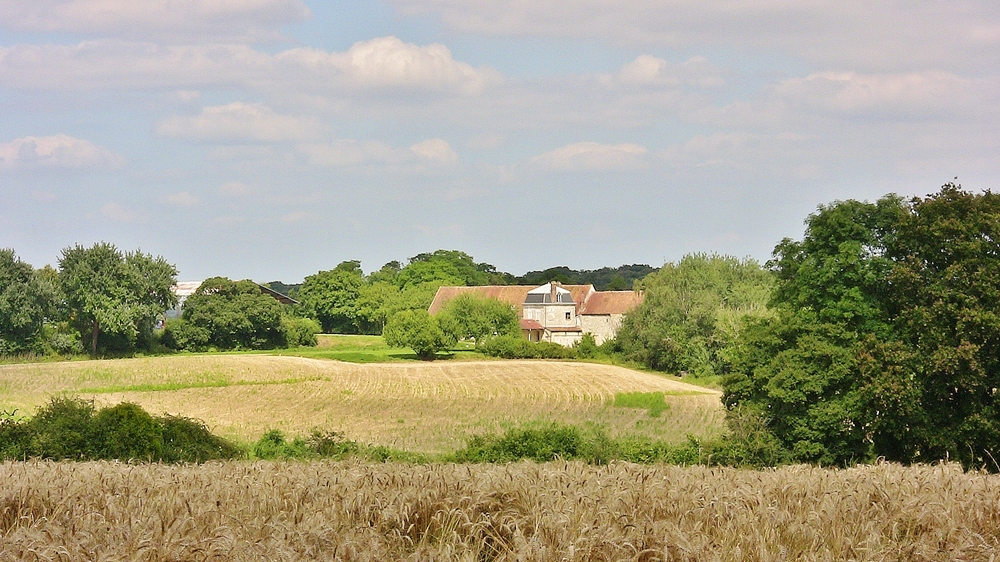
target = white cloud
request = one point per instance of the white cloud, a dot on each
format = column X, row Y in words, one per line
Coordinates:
column 388, row 62
column 58, row 151
column 217, row 19
column 593, row 156
column 435, row 150
column 181, row 199
column 240, row 122
column 385, row 63
column 653, row 71
column 927, row 92
column 880, row 35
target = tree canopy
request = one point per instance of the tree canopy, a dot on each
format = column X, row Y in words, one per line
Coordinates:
column 692, row 310
column 114, row 293
column 887, row 338
column 27, row 298
column 472, row 317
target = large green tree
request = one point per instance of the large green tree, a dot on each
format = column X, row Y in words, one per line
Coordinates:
column 332, row 296
column 229, row 315
column 887, row 341
column 473, row 317
column 419, row 331
column 110, row 292
column 26, row 300
column 692, row 310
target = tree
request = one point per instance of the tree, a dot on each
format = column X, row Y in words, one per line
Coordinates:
column 692, row 311
column 229, row 314
column 887, row 341
column 419, row 331
column 474, row 317
column 108, row 292
column 331, row 297
column 26, row 300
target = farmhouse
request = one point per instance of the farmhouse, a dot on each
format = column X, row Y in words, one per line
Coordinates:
column 554, row 312
column 184, row 289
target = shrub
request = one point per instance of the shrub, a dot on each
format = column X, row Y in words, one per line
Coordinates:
column 181, row 334
column 516, row 347
column 301, row 332
column 587, row 348
column 62, row 429
column 126, row 431
column 540, row 444
column 272, row 445
column 189, row 440
column 68, row 428
column 419, row 331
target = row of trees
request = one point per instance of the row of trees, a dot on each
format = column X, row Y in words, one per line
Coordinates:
column 345, row 300
column 466, row 317
column 99, row 296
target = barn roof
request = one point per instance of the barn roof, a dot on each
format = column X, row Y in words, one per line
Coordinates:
column 612, row 302
column 608, row 302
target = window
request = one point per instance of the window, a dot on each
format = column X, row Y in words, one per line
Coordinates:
column 569, row 316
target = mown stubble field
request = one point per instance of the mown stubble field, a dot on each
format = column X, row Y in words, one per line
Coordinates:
column 555, row 511
column 416, row 406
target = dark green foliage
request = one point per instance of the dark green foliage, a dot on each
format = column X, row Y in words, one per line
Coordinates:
column 516, row 347
column 62, row 429
column 71, row 429
column 300, row 332
column 189, row 440
column 747, row 445
column 541, row 444
column 419, row 331
column 620, row 278
column 587, row 347
column 692, row 312
column 126, row 432
column 472, row 317
column 272, row 445
column 232, row 314
column 331, row 297
column 27, row 298
column 887, row 341
column 115, row 295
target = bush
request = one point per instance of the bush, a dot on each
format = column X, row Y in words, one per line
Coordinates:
column 69, row 428
column 189, row 440
column 301, row 332
column 272, row 445
column 180, row 334
column 62, row 429
column 126, row 431
column 587, row 348
column 516, row 347
column 419, row 331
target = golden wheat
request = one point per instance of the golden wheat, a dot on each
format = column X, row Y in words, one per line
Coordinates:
column 525, row 511
column 425, row 407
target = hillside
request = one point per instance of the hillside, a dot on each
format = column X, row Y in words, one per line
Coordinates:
column 425, row 407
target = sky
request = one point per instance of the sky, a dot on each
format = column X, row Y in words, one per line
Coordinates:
column 272, row 139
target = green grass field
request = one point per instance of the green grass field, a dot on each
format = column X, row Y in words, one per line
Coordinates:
column 427, row 407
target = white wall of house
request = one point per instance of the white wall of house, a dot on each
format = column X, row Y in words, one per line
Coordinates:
column 602, row 326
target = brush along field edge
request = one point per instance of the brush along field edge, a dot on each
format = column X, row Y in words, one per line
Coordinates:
column 525, row 511
column 421, row 407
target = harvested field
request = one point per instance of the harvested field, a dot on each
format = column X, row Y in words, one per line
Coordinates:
column 421, row 407
column 555, row 511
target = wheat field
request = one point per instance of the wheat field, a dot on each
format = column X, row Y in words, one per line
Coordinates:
column 420, row 407
column 527, row 512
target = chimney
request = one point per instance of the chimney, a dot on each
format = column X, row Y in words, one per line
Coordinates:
column 554, row 293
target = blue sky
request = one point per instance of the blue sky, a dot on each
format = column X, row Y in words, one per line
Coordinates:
column 271, row 139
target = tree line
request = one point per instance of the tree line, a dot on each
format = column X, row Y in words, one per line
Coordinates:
column 877, row 335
